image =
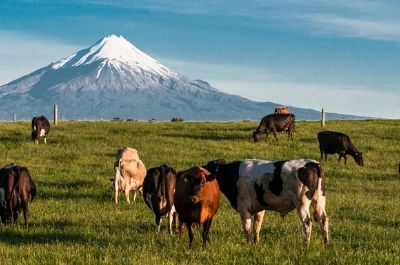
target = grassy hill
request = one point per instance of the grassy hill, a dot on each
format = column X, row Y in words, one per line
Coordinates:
column 74, row 219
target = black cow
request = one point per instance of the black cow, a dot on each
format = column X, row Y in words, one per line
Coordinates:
column 158, row 193
column 40, row 127
column 338, row 143
column 17, row 190
column 277, row 122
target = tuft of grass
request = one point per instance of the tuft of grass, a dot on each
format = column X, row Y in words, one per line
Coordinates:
column 75, row 220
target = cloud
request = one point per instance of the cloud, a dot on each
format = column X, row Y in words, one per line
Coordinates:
column 341, row 99
column 352, row 27
column 21, row 54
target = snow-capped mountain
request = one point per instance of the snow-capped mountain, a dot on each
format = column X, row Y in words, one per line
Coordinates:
column 113, row 78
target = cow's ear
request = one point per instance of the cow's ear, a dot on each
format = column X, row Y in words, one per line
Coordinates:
column 207, row 174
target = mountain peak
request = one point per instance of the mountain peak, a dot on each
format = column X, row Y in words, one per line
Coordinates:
column 117, row 51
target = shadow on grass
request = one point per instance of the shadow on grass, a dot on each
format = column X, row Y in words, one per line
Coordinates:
column 75, row 185
column 17, row 238
column 208, row 137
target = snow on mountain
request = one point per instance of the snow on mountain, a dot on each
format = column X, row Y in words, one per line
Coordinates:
column 113, row 78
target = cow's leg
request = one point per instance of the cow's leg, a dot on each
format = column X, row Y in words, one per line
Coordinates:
column 158, row 222
column 45, row 139
column 321, row 217
column 181, row 227
column 15, row 217
column 258, row 219
column 191, row 233
column 274, row 131
column 134, row 195
column 321, row 152
column 304, row 214
column 36, row 141
column 116, row 190
column 205, row 234
column 127, row 194
column 246, row 220
column 171, row 219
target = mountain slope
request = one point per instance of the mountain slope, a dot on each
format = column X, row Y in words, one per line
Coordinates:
column 113, row 78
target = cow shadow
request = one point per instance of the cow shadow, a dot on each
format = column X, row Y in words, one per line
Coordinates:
column 12, row 237
column 75, row 185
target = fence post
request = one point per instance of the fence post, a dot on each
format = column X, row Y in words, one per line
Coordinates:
column 323, row 117
column 62, row 117
column 55, row 114
column 15, row 117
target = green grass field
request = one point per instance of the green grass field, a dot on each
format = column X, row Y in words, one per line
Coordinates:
column 74, row 219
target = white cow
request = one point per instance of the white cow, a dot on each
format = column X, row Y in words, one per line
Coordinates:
column 129, row 172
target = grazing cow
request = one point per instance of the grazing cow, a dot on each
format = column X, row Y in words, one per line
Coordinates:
column 17, row 190
column 197, row 198
column 275, row 123
column 158, row 193
column 129, row 172
column 338, row 143
column 40, row 128
column 284, row 109
column 253, row 186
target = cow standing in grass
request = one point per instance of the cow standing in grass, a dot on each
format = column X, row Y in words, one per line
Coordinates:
column 158, row 193
column 40, row 128
column 338, row 143
column 277, row 122
column 253, row 186
column 197, row 199
column 129, row 172
column 17, row 190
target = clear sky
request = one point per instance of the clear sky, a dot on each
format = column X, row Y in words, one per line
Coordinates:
column 341, row 55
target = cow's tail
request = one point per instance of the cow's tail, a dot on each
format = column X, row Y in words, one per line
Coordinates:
column 32, row 192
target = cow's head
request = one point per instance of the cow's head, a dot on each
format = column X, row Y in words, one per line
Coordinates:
column 213, row 166
column 196, row 178
column 359, row 159
column 256, row 136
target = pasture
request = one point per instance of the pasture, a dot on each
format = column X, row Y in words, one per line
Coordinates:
column 74, row 219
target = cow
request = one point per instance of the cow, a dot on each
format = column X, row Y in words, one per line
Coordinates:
column 253, row 186
column 129, row 172
column 40, row 128
column 17, row 190
column 275, row 123
column 158, row 193
column 338, row 143
column 283, row 109
column 197, row 199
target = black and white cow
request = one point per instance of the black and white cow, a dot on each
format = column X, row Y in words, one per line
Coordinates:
column 158, row 193
column 253, row 186
column 40, row 128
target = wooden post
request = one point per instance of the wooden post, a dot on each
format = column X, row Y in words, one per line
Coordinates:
column 55, row 114
column 323, row 117
column 15, row 117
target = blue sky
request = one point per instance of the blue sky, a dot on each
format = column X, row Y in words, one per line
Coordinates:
column 340, row 55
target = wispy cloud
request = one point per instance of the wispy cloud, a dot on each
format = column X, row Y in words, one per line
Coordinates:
column 340, row 99
column 21, row 54
column 353, row 27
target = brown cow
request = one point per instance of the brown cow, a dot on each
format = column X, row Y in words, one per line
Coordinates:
column 158, row 193
column 284, row 109
column 197, row 199
column 275, row 123
column 17, row 190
